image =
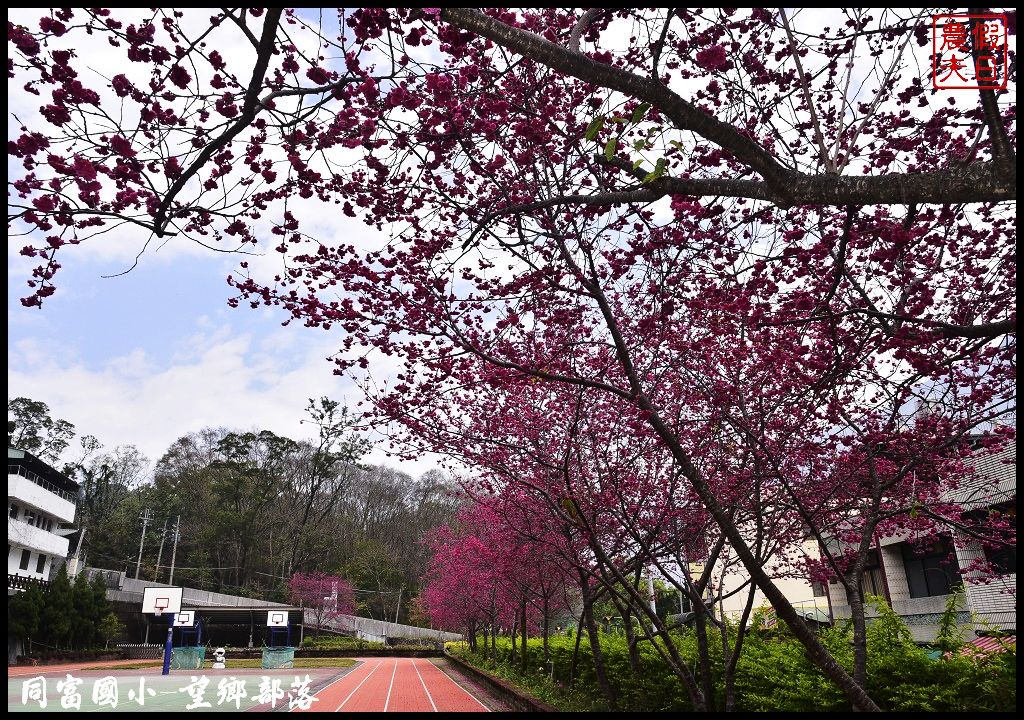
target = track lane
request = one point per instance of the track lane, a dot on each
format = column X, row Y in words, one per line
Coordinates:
column 448, row 695
column 396, row 685
column 372, row 695
column 330, row 698
column 408, row 693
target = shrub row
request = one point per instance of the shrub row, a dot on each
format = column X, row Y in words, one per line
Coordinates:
column 773, row 673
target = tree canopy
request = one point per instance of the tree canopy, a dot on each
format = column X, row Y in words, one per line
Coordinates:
column 758, row 245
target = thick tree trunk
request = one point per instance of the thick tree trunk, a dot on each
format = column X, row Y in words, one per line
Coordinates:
column 818, row 654
column 576, row 650
column 701, row 630
column 525, row 629
column 547, row 624
column 855, row 599
column 595, row 645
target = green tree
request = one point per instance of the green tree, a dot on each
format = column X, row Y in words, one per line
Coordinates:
column 99, row 595
column 109, row 628
column 950, row 637
column 30, row 428
column 246, row 487
column 84, row 617
column 105, row 509
column 58, row 610
column 24, row 615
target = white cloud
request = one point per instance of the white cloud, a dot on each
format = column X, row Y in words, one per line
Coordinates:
column 222, row 379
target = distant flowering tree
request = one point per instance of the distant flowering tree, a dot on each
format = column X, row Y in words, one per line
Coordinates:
column 326, row 596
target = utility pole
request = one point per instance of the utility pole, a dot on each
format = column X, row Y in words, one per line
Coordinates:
column 160, row 552
column 399, row 603
column 145, row 516
column 78, row 550
column 650, row 592
column 174, row 551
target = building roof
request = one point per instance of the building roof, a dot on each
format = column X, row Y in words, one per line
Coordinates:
column 996, row 479
column 41, row 468
column 985, row 645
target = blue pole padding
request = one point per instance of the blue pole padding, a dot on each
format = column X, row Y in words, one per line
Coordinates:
column 168, row 648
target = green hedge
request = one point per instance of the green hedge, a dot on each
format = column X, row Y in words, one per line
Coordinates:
column 773, row 674
column 341, row 642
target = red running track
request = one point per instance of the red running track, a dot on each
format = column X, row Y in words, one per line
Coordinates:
column 396, row 685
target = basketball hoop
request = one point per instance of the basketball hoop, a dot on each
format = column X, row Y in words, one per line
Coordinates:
column 163, row 600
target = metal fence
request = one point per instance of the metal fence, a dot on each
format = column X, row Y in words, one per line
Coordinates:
column 380, row 630
column 21, row 582
column 141, row 651
column 41, row 482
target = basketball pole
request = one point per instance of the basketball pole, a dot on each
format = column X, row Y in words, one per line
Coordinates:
column 168, row 647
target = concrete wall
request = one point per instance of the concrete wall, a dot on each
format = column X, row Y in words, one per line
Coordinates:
column 796, row 589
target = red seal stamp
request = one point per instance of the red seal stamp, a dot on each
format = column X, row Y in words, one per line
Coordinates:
column 969, row 51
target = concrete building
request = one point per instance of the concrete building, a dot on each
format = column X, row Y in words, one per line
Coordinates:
column 809, row 599
column 918, row 585
column 40, row 509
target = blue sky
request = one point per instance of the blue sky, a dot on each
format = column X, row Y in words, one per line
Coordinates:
column 151, row 355
column 148, row 356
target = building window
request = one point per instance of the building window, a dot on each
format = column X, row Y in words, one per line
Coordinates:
column 872, row 581
column 818, row 588
column 932, row 572
column 1005, row 558
column 14, row 511
column 40, row 563
column 26, row 555
column 30, row 517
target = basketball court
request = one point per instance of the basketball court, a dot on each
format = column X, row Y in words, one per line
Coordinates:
column 182, row 682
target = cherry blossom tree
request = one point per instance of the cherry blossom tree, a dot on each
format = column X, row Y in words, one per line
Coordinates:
column 701, row 215
column 328, row 597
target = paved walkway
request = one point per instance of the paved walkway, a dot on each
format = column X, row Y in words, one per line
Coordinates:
column 397, row 685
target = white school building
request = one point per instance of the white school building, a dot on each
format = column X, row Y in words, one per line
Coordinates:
column 40, row 510
column 918, row 584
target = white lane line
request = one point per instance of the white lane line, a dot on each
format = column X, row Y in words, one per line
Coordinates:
column 424, row 685
column 358, row 686
column 450, row 678
column 391, row 685
column 332, row 682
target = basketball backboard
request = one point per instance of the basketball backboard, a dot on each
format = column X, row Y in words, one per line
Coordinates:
column 161, row 600
column 277, row 618
column 185, row 618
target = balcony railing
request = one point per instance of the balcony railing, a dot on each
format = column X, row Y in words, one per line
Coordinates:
column 41, row 482
column 22, row 582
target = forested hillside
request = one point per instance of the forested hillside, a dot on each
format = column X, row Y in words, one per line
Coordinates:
column 255, row 507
